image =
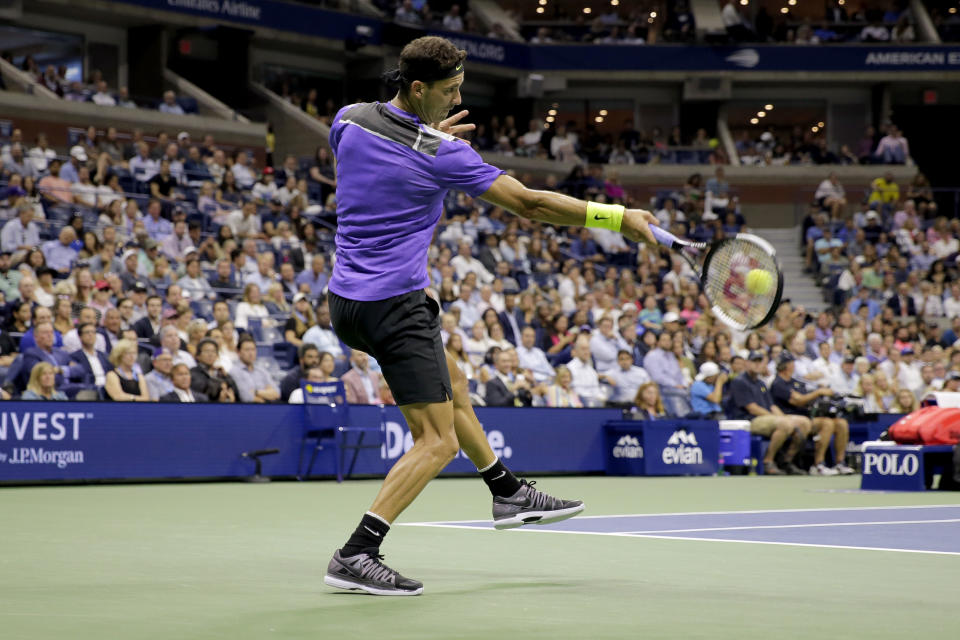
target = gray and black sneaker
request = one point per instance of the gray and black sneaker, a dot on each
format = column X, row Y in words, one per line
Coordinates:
column 529, row 506
column 365, row 572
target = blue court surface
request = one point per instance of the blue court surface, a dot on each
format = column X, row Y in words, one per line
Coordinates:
column 912, row 529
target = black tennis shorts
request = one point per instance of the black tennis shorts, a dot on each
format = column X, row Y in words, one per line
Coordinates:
column 403, row 334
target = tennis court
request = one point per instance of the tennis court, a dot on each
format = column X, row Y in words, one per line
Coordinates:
column 653, row 558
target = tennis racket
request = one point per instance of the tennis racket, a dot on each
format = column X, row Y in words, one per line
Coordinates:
column 722, row 268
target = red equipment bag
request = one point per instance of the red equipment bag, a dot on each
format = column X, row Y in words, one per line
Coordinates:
column 930, row 425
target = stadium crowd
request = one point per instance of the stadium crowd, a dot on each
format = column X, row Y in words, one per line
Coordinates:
column 96, row 90
column 175, row 271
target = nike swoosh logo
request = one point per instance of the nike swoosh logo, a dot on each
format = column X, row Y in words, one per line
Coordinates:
column 459, row 66
column 371, row 531
column 596, row 216
column 501, row 474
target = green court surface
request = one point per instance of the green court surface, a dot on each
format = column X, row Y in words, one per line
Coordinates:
column 238, row 561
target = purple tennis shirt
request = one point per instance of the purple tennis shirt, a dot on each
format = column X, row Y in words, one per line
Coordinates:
column 393, row 172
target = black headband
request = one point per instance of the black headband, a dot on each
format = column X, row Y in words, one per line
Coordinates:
column 396, row 78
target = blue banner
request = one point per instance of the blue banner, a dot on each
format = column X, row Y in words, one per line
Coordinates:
column 297, row 18
column 662, row 447
column 42, row 441
column 903, row 467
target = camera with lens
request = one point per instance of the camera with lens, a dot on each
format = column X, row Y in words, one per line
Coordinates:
column 837, row 406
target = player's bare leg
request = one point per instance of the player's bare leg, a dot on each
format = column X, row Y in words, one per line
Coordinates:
column 357, row 565
column 515, row 502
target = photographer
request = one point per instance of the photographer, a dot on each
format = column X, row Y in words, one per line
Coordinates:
column 824, row 408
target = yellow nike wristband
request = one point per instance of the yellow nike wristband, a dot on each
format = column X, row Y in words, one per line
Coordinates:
column 604, row 216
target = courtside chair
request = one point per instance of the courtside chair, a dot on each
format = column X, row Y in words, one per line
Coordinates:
column 327, row 426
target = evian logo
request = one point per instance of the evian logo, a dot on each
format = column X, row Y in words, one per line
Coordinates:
column 746, row 58
column 627, row 447
column 682, row 448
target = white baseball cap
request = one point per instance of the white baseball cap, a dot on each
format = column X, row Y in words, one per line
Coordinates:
column 79, row 153
column 708, row 369
column 671, row 316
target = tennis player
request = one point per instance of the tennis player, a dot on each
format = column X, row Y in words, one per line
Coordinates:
column 395, row 163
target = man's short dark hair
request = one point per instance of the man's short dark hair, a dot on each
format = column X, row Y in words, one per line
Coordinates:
column 305, row 348
column 84, row 325
column 154, row 296
column 233, row 254
column 245, row 338
column 622, row 352
column 205, row 342
column 428, row 59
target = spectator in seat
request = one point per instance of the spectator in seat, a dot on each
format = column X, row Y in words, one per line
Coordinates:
column 170, row 105
column 706, row 393
column 315, row 374
column 362, row 385
column 242, row 171
column 44, row 351
column 60, row 253
column 561, row 393
column 309, row 357
column 182, row 391
column 245, row 222
column 42, row 384
column 902, row 303
column 103, row 97
column 266, row 188
column 464, row 263
column 586, row 380
column 126, row 382
column 323, row 173
column 626, row 378
column 831, row 196
column 605, row 344
column 18, row 236
column 648, row 405
column 507, row 388
column 159, row 382
column 752, row 401
column 92, row 362
column 148, row 327
column 452, row 20
column 315, row 277
column 210, row 379
column 251, row 306
column 300, row 321
column 193, row 283
column 663, row 368
column 72, row 340
column 253, row 381
column 322, row 335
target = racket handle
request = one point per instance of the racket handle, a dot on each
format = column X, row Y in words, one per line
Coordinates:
column 663, row 236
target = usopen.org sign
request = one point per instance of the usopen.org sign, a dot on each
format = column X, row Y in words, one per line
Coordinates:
column 22, row 432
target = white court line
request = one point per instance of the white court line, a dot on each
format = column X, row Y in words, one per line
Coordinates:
column 681, row 538
column 713, row 513
column 792, row 526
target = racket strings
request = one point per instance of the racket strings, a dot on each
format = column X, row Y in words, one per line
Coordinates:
column 725, row 282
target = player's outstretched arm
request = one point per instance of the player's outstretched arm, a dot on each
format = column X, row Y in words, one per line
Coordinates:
column 561, row 209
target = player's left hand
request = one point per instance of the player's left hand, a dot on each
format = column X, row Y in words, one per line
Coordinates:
column 450, row 124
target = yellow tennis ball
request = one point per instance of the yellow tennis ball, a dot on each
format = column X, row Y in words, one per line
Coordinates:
column 759, row 281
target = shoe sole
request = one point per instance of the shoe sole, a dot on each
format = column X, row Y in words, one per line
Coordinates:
column 340, row 583
column 537, row 517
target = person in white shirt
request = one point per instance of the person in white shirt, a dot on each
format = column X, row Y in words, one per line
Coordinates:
column 102, row 97
column 193, row 283
column 532, row 358
column 951, row 305
column 142, row 166
column 477, row 344
column 586, row 381
column 175, row 245
column 831, row 195
column 84, row 191
column 804, row 369
column 626, row 378
column 605, row 344
column 20, row 234
column 170, row 339
column 245, row 222
column 826, row 361
column 469, row 313
column 242, row 172
column 313, row 374
column 266, row 189
column 169, row 104
column 452, row 20
column 322, row 335
column 464, row 263
column 71, row 339
column 42, row 154
column 846, row 381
